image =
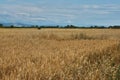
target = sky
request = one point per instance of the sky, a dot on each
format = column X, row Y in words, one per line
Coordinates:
column 60, row 12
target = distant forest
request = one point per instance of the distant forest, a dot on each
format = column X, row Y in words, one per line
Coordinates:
column 67, row 26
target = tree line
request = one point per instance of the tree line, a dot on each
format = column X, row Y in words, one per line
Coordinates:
column 67, row 26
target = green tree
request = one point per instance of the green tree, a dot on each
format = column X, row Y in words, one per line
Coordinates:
column 12, row 26
column 1, row 25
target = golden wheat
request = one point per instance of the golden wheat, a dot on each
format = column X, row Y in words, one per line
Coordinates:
column 59, row 54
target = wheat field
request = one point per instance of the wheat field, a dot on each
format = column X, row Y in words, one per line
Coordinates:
column 59, row 54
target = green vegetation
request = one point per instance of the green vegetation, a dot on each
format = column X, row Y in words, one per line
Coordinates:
column 67, row 26
column 1, row 25
column 118, row 74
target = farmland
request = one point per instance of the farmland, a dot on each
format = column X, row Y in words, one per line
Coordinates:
column 59, row 54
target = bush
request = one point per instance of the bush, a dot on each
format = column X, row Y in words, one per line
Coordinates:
column 39, row 28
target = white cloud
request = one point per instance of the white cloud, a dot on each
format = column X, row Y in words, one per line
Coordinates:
column 38, row 19
column 23, row 14
column 35, row 13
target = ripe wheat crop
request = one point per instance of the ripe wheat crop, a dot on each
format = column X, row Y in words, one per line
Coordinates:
column 60, row 54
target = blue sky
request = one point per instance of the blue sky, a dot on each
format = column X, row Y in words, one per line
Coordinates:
column 60, row 12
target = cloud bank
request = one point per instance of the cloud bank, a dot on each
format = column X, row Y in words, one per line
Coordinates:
column 75, row 14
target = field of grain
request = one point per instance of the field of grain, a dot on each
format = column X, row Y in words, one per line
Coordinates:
column 60, row 54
